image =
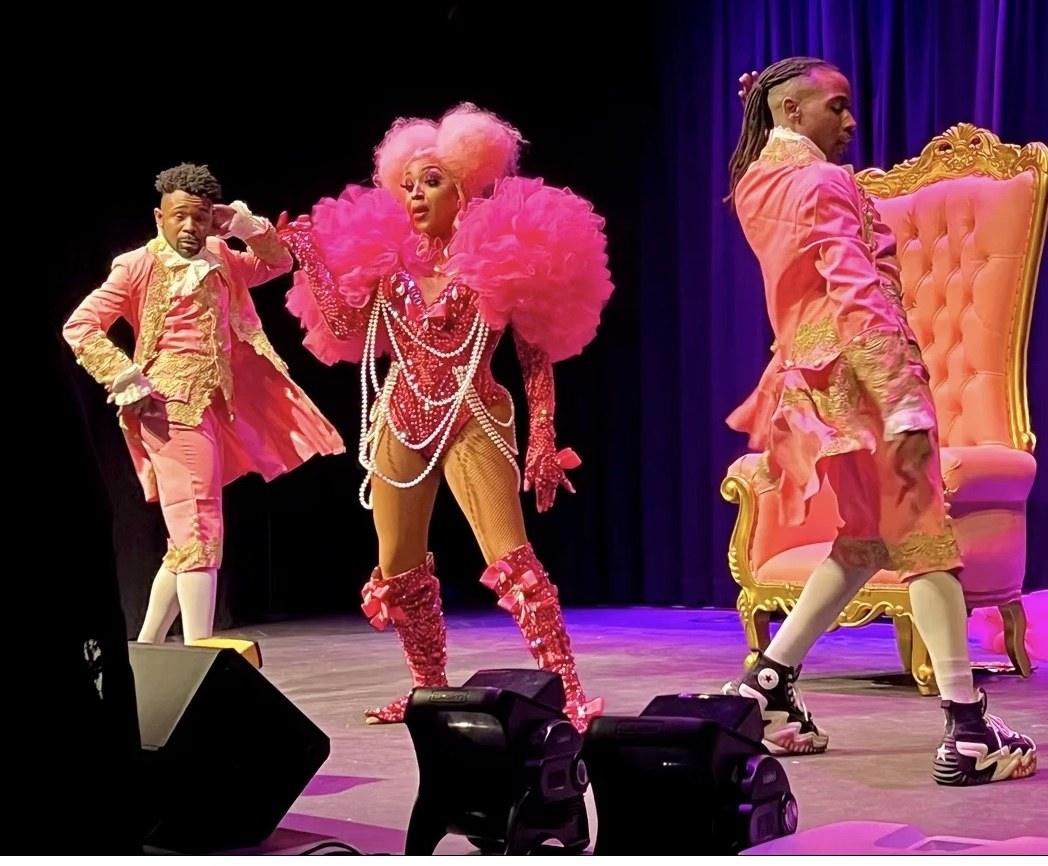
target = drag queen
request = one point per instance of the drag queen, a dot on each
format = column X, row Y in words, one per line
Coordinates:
column 431, row 267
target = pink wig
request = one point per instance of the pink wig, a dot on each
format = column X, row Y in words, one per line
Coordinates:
column 474, row 146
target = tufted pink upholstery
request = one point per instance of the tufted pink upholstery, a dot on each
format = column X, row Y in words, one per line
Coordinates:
column 961, row 246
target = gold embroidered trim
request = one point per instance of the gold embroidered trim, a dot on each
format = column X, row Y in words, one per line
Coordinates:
column 877, row 368
column 815, row 342
column 890, row 287
column 861, row 552
column 922, row 553
column 883, row 361
column 211, row 325
column 102, row 359
column 190, row 380
column 869, row 216
column 837, row 403
column 155, row 308
column 762, row 477
column 256, row 338
column 187, row 380
column 194, row 554
column 780, row 151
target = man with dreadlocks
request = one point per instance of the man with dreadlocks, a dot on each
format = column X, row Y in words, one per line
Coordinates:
column 206, row 399
column 846, row 399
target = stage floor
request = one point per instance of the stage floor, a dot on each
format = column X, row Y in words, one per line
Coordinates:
column 882, row 733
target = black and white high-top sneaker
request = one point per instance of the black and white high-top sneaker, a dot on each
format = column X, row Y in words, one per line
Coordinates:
column 787, row 722
column 979, row 748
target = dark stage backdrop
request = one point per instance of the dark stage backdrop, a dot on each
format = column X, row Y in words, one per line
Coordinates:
column 633, row 107
column 291, row 112
column 917, row 67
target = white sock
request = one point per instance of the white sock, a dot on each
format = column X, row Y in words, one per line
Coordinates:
column 827, row 592
column 162, row 608
column 197, row 591
column 941, row 619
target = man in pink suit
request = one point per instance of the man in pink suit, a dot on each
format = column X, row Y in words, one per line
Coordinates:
column 205, row 399
column 846, row 398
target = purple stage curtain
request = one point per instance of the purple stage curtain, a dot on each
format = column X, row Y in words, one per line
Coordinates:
column 916, row 67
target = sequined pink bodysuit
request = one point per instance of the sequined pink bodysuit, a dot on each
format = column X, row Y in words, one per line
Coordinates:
column 439, row 378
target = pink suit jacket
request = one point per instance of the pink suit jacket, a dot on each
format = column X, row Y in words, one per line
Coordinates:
column 275, row 427
column 832, row 289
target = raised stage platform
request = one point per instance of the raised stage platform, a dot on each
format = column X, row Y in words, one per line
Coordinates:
column 874, row 782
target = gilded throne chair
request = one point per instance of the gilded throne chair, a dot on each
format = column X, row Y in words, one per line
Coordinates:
column 969, row 219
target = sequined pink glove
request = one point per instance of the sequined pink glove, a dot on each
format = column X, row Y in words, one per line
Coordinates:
column 544, row 465
column 345, row 321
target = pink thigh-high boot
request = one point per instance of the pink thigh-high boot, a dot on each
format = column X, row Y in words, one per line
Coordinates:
column 525, row 590
column 411, row 602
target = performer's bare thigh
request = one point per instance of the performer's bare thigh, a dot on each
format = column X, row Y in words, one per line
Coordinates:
column 402, row 515
column 485, row 485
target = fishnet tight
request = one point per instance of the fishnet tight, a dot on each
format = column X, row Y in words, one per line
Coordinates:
column 483, row 482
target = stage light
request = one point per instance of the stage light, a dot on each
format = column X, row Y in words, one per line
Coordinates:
column 498, row 763
column 688, row 776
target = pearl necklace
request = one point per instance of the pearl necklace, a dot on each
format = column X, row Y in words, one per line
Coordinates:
column 372, row 422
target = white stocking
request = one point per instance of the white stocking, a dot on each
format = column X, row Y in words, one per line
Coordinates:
column 827, row 592
column 941, row 618
column 162, row 608
column 197, row 591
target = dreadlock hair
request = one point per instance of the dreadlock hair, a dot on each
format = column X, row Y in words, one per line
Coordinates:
column 757, row 121
column 190, row 178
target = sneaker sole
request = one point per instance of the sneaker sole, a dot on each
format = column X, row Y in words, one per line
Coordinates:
column 789, row 739
column 1017, row 765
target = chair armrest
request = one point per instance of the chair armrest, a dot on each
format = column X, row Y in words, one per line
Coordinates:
column 989, row 474
column 759, row 532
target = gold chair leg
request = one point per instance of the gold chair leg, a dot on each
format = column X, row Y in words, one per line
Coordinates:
column 921, row 665
column 755, row 624
column 1014, row 616
column 904, row 640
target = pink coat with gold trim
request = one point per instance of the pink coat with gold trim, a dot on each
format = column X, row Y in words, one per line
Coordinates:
column 276, row 427
column 846, row 372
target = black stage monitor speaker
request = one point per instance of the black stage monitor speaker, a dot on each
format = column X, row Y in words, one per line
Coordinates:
column 224, row 753
column 690, row 775
column 741, row 715
column 539, row 686
column 498, row 763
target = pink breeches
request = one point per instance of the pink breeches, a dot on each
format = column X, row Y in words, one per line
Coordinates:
column 888, row 523
column 188, row 466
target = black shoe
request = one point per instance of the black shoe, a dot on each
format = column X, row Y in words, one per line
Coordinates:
column 979, row 748
column 787, row 722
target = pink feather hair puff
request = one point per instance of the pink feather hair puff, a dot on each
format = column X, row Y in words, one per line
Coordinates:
column 534, row 256
column 474, row 146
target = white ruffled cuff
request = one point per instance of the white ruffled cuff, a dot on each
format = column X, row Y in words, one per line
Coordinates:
column 244, row 224
column 910, row 415
column 130, row 386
